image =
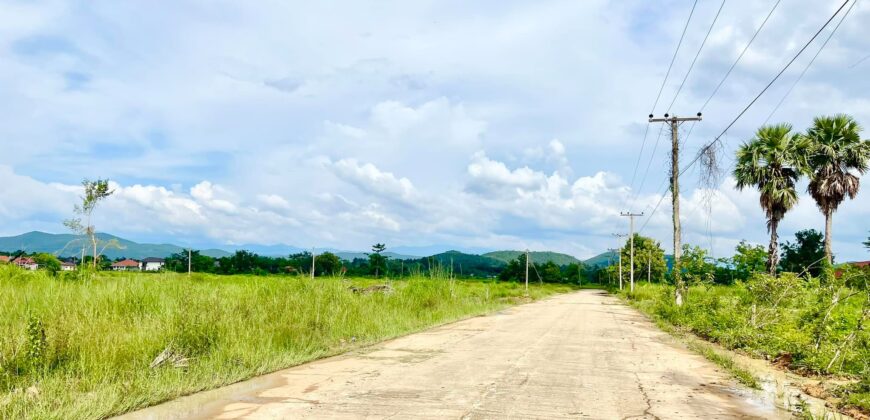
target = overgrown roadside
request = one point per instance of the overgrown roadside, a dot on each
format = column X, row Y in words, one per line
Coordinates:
column 767, row 327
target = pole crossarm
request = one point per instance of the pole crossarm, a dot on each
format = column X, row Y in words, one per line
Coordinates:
column 674, row 118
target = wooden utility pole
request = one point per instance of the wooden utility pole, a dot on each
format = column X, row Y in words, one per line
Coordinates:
column 675, row 122
column 631, row 216
column 619, row 251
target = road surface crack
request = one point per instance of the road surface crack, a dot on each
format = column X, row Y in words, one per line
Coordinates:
column 647, row 413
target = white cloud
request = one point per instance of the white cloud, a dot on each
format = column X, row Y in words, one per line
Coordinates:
column 470, row 125
column 371, row 179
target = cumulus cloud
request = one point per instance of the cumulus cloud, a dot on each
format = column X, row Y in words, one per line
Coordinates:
column 464, row 125
column 371, row 179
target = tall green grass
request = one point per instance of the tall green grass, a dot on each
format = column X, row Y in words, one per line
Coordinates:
column 73, row 348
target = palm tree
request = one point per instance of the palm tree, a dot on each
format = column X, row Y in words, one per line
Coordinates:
column 772, row 162
column 837, row 150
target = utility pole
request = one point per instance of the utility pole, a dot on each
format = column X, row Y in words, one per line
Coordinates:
column 675, row 122
column 619, row 251
column 527, row 271
column 631, row 216
column 648, row 267
column 610, row 260
column 189, row 259
column 313, row 256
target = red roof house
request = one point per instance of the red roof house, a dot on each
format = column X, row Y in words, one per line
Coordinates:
column 126, row 265
column 26, row 263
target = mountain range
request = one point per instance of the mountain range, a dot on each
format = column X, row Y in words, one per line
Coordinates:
column 67, row 245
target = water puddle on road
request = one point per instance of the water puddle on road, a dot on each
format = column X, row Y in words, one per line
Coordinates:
column 782, row 390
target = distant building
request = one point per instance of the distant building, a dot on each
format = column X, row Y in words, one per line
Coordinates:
column 857, row 264
column 4, row 259
column 67, row 266
column 127, row 265
column 26, row 263
column 153, row 264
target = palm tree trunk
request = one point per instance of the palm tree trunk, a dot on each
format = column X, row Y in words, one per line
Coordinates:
column 773, row 249
column 828, row 253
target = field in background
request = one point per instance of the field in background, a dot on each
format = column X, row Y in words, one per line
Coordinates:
column 72, row 348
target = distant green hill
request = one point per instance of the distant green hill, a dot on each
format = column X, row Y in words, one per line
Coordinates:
column 534, row 256
column 602, row 260
column 610, row 257
column 67, row 245
column 461, row 264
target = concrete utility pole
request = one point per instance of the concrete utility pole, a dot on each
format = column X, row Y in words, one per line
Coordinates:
column 189, row 259
column 675, row 122
column 648, row 268
column 527, row 271
column 619, row 251
column 313, row 255
column 631, row 216
column 610, row 261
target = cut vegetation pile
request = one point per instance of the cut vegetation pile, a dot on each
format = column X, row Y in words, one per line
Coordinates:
column 72, row 348
column 801, row 324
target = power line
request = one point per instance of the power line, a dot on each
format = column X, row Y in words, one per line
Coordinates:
column 734, row 64
column 746, row 48
column 775, row 78
column 717, row 138
column 746, row 108
column 646, row 172
column 659, row 95
column 824, row 44
column 674, row 58
column 859, row 62
column 697, row 54
column 639, row 155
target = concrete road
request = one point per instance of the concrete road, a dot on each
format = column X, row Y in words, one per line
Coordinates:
column 580, row 355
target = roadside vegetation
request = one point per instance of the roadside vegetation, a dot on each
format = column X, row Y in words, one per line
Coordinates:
column 787, row 302
column 805, row 324
column 108, row 343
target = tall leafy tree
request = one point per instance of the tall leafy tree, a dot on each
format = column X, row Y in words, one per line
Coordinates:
column 772, row 162
column 378, row 261
column 805, row 254
column 327, row 264
column 747, row 260
column 836, row 152
column 649, row 259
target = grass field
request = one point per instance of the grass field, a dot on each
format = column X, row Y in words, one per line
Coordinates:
column 73, row 348
column 790, row 321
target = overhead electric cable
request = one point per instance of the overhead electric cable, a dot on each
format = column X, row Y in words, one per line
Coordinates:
column 697, row 54
column 661, row 88
column 801, row 76
column 746, row 108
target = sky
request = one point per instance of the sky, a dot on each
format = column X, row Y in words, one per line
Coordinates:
column 446, row 124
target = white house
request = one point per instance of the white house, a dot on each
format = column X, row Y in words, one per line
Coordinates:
column 26, row 263
column 153, row 264
column 67, row 266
